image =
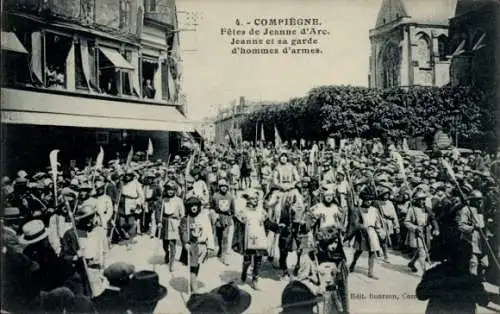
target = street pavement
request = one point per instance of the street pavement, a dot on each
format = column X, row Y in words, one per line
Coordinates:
column 394, row 292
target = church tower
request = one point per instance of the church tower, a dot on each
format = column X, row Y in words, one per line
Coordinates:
column 409, row 43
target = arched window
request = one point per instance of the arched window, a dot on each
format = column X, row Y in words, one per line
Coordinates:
column 391, row 61
column 423, row 56
column 443, row 48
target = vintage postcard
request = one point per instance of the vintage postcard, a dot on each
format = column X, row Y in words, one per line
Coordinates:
column 231, row 156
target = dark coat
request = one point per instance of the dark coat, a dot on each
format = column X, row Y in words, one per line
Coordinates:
column 444, row 287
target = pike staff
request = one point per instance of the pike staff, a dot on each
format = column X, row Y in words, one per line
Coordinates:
column 162, row 209
column 53, row 166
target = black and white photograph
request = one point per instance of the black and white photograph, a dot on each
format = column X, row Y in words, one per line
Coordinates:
column 250, row 156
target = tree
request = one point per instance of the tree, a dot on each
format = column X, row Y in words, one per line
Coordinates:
column 348, row 112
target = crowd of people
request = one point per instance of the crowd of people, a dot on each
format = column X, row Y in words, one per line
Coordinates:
column 312, row 199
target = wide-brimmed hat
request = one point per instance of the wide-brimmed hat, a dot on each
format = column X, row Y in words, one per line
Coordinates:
column 251, row 193
column 475, row 195
column 368, row 194
column 297, row 292
column 85, row 211
column 33, row 232
column 21, row 181
column 419, row 195
column 9, row 213
column 170, row 185
column 144, row 287
column 227, row 298
column 85, row 186
column 119, row 274
column 150, row 174
column 99, row 185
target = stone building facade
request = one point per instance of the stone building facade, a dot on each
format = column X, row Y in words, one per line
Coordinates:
column 475, row 44
column 79, row 74
column 410, row 44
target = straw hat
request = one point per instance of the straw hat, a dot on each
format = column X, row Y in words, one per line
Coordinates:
column 33, row 232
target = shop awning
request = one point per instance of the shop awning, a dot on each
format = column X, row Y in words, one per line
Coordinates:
column 10, row 42
column 116, row 58
column 39, row 108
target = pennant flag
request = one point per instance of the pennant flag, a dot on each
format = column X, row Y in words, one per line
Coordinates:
column 277, row 138
column 100, row 158
column 53, row 163
column 230, row 138
column 150, row 147
column 400, row 163
column 405, row 145
column 129, row 157
column 262, row 136
column 449, row 170
column 331, row 143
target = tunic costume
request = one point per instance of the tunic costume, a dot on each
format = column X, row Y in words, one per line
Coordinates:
column 152, row 195
column 369, row 224
column 193, row 231
column 224, row 207
column 467, row 218
column 250, row 238
column 132, row 196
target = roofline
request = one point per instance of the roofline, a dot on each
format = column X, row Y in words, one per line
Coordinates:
column 402, row 22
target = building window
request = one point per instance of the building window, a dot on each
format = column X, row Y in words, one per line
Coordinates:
column 150, row 5
column 126, row 76
column 109, row 76
column 15, row 65
column 443, row 49
column 116, row 72
column 423, row 51
column 124, row 14
column 57, row 48
column 149, row 78
column 85, row 65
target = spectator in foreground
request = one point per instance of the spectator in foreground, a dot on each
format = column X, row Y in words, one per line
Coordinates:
column 449, row 287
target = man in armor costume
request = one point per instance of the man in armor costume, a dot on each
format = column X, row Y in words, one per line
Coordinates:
column 470, row 221
column 419, row 223
column 285, row 178
column 131, row 199
column 152, row 195
column 194, row 236
column 168, row 216
column 368, row 225
column 251, row 239
column 390, row 217
column 224, row 207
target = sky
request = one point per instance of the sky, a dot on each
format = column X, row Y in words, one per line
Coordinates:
column 213, row 77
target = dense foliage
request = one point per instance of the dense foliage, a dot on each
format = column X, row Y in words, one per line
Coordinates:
column 347, row 112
